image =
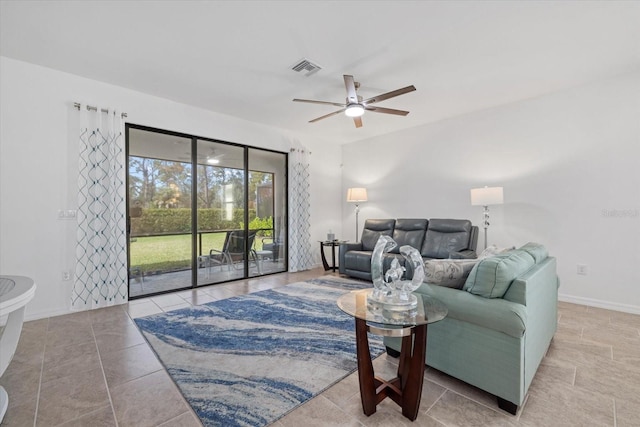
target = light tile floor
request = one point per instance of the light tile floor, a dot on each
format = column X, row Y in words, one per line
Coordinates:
column 95, row 369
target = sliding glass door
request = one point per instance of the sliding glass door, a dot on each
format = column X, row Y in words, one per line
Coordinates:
column 159, row 217
column 220, row 212
column 268, row 210
column 202, row 211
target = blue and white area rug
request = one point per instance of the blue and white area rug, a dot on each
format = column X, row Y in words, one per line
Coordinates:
column 249, row 360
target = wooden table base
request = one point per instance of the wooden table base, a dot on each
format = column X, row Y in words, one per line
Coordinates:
column 406, row 388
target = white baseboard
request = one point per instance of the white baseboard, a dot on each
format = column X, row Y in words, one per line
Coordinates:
column 44, row 314
column 626, row 308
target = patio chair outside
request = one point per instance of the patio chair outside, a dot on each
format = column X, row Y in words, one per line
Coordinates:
column 233, row 250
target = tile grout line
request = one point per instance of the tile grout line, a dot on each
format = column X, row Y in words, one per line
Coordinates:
column 436, row 401
column 521, row 409
column 178, row 416
column 44, row 351
column 498, row 411
column 330, row 402
column 611, row 352
column 104, row 376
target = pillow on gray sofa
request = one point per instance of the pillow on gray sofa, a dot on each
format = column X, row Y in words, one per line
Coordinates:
column 491, row 276
column 451, row 273
column 493, row 250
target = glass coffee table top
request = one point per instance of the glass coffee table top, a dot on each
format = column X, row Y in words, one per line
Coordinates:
column 6, row 285
column 428, row 310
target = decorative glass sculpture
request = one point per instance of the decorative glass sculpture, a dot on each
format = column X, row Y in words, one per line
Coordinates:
column 390, row 292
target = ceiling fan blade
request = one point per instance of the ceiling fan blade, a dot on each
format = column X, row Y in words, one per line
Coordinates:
column 358, row 121
column 311, row 101
column 386, row 111
column 388, row 95
column 326, row 115
column 350, row 85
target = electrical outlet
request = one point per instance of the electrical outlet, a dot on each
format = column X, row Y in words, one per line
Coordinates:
column 66, row 275
column 582, row 269
column 67, row 214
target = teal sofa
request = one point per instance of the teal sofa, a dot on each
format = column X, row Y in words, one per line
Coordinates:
column 499, row 325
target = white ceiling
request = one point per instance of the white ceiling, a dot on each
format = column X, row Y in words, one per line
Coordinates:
column 235, row 57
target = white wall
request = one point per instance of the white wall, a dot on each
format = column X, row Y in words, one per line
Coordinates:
column 37, row 174
column 569, row 165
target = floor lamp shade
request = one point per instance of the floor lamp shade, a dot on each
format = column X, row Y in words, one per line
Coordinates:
column 357, row 195
column 484, row 197
column 487, row 196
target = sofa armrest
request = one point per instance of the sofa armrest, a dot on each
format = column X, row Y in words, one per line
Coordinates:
column 464, row 254
column 344, row 248
column 538, row 290
column 540, row 279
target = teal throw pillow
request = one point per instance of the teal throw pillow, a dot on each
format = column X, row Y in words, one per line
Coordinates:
column 536, row 250
column 491, row 277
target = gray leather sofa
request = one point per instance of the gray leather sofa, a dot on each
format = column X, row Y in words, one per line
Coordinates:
column 434, row 238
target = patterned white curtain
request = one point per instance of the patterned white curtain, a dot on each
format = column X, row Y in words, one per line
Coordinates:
column 101, row 257
column 300, row 257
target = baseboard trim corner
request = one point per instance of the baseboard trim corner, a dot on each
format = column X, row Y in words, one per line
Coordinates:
column 591, row 302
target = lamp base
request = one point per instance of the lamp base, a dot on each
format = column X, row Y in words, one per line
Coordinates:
column 357, row 212
column 485, row 215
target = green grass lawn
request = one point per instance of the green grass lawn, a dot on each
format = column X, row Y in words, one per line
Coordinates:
column 170, row 253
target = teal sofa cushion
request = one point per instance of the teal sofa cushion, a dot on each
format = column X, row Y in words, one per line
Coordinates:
column 536, row 250
column 491, row 277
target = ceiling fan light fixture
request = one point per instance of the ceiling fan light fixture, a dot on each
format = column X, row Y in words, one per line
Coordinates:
column 212, row 160
column 354, row 110
column 355, row 105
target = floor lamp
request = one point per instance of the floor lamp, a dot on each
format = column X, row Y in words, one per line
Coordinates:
column 484, row 197
column 357, row 195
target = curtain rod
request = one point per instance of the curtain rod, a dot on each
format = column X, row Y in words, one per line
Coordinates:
column 92, row 108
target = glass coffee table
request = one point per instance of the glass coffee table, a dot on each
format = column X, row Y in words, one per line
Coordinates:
column 411, row 326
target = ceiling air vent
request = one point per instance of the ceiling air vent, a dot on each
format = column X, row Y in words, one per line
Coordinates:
column 306, row 65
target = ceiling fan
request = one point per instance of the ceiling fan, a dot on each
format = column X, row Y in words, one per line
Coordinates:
column 355, row 106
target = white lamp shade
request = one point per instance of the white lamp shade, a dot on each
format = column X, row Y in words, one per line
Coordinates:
column 487, row 196
column 357, row 195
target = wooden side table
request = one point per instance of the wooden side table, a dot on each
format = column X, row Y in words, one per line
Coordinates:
column 406, row 388
column 333, row 244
